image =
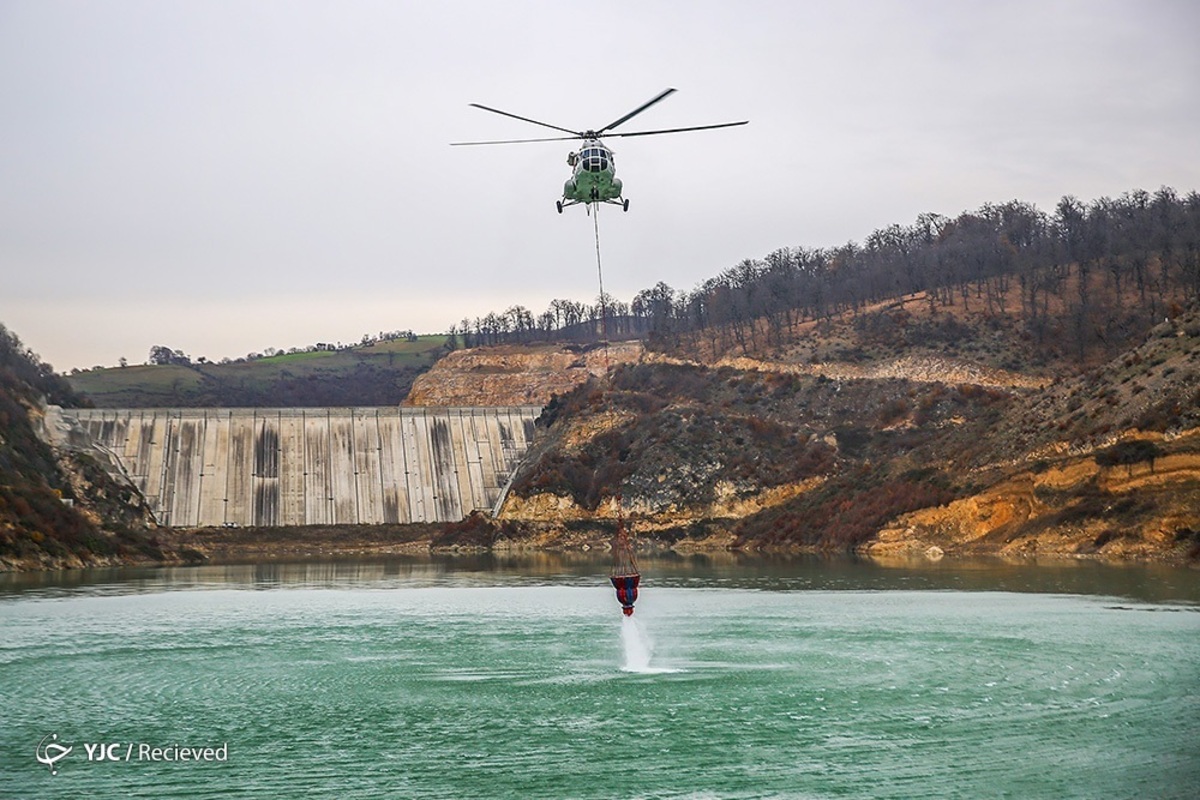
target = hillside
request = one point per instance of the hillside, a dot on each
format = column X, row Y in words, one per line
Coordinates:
column 379, row 373
column 58, row 510
column 902, row 446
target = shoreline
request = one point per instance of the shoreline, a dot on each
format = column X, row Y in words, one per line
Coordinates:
column 227, row 546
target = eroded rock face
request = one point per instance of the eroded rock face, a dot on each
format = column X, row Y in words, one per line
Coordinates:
column 1144, row 510
column 515, row 375
column 653, row 513
column 917, row 368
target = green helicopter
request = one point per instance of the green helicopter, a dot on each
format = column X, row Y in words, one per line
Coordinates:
column 593, row 178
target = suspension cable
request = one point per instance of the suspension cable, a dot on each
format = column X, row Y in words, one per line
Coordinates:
column 600, row 276
column 624, row 563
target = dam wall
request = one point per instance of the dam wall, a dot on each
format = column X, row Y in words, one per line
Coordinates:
column 310, row 466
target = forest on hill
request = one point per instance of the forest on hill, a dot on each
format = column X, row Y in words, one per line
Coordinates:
column 1002, row 381
column 1089, row 280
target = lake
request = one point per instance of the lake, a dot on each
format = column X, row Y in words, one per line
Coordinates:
column 517, row 676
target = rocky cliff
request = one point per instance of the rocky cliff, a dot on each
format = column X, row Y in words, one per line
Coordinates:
column 1077, row 506
column 515, row 375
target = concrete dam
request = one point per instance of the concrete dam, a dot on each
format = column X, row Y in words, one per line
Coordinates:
column 309, row 466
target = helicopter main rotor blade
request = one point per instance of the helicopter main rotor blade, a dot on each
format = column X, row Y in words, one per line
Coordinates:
column 636, row 111
column 517, row 141
column 680, row 130
column 576, row 134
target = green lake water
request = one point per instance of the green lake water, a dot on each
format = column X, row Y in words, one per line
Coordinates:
column 483, row 677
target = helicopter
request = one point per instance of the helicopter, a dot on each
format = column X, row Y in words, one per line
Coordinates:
column 593, row 178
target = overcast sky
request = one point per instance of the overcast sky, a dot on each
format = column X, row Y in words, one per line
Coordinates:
column 222, row 177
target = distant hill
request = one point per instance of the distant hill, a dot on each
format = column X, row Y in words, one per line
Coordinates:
column 373, row 374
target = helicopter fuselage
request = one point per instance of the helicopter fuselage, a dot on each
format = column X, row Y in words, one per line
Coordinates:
column 594, row 178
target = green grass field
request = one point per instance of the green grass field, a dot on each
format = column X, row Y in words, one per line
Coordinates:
column 376, row 374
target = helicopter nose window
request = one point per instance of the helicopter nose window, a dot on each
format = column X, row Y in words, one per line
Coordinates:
column 595, row 159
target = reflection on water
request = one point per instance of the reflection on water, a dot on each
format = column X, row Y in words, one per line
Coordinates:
column 1152, row 582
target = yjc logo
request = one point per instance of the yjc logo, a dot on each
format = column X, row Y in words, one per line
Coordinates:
column 112, row 752
column 50, row 753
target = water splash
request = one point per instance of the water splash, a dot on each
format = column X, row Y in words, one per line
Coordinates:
column 636, row 644
column 638, row 649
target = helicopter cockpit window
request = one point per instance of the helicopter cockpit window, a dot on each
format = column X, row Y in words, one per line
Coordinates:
column 595, row 159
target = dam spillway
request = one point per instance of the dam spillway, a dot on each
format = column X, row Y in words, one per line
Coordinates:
column 310, row 466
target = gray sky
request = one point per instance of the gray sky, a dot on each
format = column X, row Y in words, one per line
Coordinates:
column 222, row 177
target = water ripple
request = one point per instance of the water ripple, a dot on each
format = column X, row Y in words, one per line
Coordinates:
column 484, row 691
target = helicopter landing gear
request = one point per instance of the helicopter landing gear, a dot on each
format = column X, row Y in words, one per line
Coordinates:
column 558, row 204
column 625, row 206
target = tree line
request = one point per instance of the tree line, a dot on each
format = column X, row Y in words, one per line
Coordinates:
column 1080, row 275
column 563, row 320
column 161, row 354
